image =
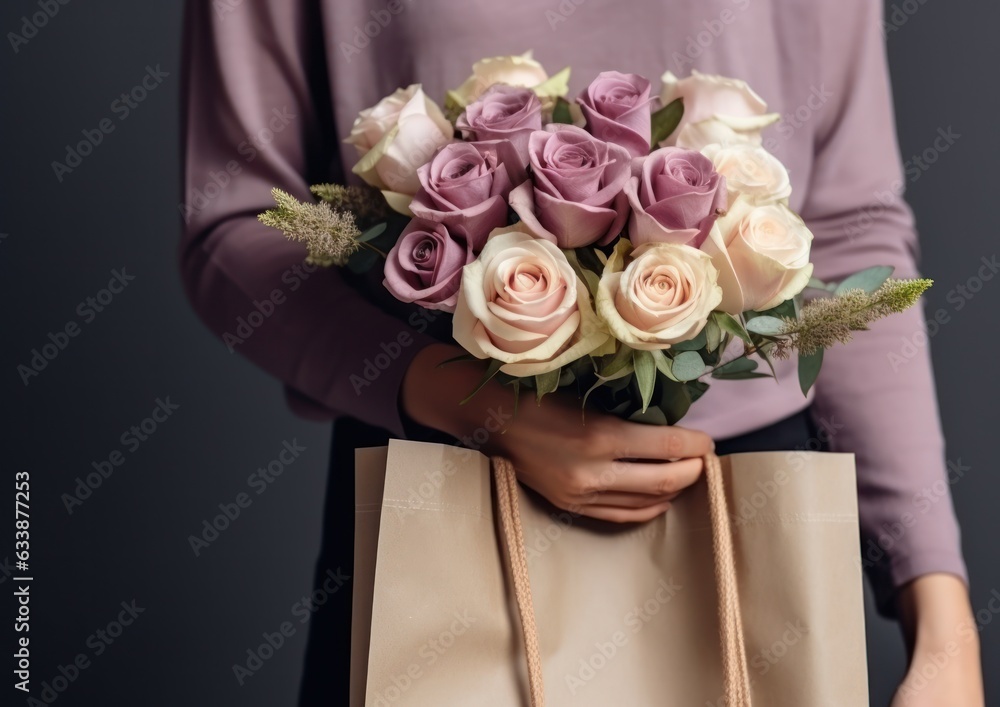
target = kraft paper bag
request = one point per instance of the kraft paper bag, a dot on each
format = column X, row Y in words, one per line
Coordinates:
column 749, row 589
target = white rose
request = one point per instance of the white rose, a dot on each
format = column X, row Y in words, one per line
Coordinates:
column 762, row 254
column 717, row 109
column 521, row 302
column 663, row 297
column 752, row 171
column 396, row 137
column 522, row 71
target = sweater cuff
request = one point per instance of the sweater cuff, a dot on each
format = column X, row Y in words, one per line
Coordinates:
column 888, row 578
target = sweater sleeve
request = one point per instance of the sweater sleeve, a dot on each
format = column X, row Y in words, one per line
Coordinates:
column 876, row 396
column 257, row 114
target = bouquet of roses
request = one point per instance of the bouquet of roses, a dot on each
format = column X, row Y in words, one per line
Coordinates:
column 627, row 244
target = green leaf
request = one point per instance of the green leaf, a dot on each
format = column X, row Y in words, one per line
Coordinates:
column 731, row 324
column 372, row 233
column 516, row 385
column 820, row 285
column 652, row 416
column 560, row 113
column 675, row 400
column 809, row 369
column 546, row 383
column 785, row 309
column 743, row 375
column 688, row 365
column 696, row 344
column 456, row 359
column 663, row 364
column 766, row 326
column 713, row 335
column 737, row 365
column 491, row 371
column 361, row 261
column 869, row 280
column 645, row 375
column 622, row 357
column 665, row 121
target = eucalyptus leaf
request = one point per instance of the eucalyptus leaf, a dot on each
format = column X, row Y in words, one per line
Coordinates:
column 713, row 335
column 737, row 365
column 766, row 326
column 869, row 280
column 663, row 364
column 665, row 121
column 687, row 365
column 645, row 375
column 373, row 232
column 809, row 367
column 361, row 261
column 695, row 344
column 785, row 309
column 741, row 375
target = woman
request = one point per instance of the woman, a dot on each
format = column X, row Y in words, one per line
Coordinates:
column 272, row 86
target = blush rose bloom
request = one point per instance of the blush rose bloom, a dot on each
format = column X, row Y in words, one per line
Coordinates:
column 675, row 197
column 466, row 185
column 394, row 138
column 503, row 113
column 575, row 197
column 663, row 297
column 520, row 70
column 717, row 109
column 425, row 266
column 521, row 303
column 762, row 254
column 751, row 171
column 617, row 109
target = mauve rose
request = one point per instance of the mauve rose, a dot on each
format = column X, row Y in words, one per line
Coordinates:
column 503, row 113
column 575, row 197
column 425, row 266
column 675, row 198
column 617, row 109
column 465, row 187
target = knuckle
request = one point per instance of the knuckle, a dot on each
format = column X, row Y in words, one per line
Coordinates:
column 667, row 485
column 673, row 444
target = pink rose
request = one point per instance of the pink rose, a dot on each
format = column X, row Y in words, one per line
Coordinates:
column 575, row 198
column 522, row 303
column 617, row 109
column 425, row 266
column 465, row 187
column 675, row 198
column 503, row 113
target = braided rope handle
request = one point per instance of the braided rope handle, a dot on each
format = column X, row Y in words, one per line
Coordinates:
column 736, row 677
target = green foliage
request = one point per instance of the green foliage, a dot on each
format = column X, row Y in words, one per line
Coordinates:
column 560, row 113
column 665, row 121
column 868, row 280
column 687, row 366
column 809, row 366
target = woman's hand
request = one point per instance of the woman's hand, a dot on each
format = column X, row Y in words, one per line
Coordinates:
column 590, row 468
column 943, row 640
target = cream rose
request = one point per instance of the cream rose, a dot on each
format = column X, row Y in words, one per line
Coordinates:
column 717, row 109
column 663, row 296
column 396, row 137
column 762, row 254
column 521, row 303
column 522, row 71
column 752, row 171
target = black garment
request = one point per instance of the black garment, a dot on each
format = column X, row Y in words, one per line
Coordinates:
column 326, row 676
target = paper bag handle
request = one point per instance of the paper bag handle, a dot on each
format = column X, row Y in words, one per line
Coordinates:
column 736, row 677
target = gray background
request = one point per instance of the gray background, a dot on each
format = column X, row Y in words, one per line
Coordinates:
column 128, row 540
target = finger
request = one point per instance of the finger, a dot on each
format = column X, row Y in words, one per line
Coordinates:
column 625, row 515
column 649, row 477
column 632, row 440
column 626, row 500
